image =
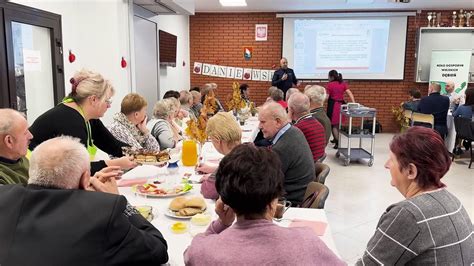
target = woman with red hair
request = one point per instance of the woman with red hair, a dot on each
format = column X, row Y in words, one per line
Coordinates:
column 429, row 227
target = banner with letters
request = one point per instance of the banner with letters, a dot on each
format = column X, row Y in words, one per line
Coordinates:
column 232, row 72
column 451, row 65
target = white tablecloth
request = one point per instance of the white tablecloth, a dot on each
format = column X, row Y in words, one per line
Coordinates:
column 250, row 129
column 177, row 243
column 450, row 139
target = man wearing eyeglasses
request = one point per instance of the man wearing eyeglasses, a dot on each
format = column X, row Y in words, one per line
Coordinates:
column 14, row 140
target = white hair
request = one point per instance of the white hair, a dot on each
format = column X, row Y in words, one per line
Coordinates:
column 289, row 92
column 59, row 162
column 164, row 108
column 316, row 94
column 185, row 97
column 299, row 103
column 9, row 117
column 275, row 110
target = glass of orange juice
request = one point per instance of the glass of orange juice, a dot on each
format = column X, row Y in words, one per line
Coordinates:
column 190, row 155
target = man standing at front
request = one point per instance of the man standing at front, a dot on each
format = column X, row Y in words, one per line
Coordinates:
column 284, row 78
column 291, row 146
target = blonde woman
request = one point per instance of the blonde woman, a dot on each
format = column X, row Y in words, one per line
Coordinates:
column 78, row 116
column 225, row 134
column 161, row 125
column 129, row 124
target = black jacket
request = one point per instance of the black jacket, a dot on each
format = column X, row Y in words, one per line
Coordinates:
column 63, row 120
column 44, row 226
column 284, row 85
column 437, row 105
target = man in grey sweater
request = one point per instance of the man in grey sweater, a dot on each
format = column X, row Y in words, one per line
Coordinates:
column 291, row 146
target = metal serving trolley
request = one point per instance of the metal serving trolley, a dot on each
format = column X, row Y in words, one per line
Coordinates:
column 351, row 111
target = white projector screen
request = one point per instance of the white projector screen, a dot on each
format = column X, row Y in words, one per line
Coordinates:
column 371, row 47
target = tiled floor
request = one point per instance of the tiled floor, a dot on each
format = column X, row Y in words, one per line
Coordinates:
column 359, row 195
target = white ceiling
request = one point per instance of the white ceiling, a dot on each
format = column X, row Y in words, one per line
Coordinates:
column 332, row 5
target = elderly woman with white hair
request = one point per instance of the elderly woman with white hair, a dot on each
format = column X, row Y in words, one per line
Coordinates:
column 161, row 126
column 64, row 211
column 317, row 95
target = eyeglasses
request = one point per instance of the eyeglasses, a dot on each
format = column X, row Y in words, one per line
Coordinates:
column 108, row 101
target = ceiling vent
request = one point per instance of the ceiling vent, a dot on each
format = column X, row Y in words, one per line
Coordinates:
column 167, row 7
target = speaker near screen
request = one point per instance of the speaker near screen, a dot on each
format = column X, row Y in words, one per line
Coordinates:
column 168, row 48
column 362, row 46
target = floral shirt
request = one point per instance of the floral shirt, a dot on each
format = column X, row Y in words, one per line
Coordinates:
column 125, row 131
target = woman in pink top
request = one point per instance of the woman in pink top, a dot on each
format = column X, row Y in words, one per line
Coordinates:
column 225, row 134
column 249, row 181
column 336, row 89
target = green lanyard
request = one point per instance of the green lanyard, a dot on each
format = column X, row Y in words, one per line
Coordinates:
column 91, row 148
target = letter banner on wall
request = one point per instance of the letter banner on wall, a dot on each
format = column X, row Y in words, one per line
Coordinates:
column 232, row 72
column 451, row 65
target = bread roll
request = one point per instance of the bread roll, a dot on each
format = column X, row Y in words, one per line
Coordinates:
column 177, row 203
column 196, row 202
column 189, row 211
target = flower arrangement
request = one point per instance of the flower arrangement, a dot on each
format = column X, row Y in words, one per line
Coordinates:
column 196, row 129
column 400, row 117
column 235, row 102
column 253, row 109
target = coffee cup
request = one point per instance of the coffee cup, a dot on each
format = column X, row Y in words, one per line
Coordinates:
column 282, row 206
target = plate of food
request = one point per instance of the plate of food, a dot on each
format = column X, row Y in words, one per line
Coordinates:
column 157, row 191
column 186, row 208
column 147, row 157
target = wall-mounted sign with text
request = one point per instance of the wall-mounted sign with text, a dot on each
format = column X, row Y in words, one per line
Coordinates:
column 451, row 65
column 232, row 72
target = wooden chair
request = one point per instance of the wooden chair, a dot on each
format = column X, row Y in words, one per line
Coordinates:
column 321, row 171
column 315, row 196
column 407, row 114
column 422, row 118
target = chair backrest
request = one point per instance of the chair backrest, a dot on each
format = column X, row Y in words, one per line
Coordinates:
column 321, row 171
column 315, row 196
column 407, row 113
column 464, row 128
column 422, row 118
column 322, row 158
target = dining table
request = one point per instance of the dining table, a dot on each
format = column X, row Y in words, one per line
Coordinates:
column 177, row 243
column 163, row 219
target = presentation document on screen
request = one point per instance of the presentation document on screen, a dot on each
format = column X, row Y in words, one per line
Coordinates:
column 349, row 46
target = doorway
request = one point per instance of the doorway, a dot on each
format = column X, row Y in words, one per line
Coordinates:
column 146, row 60
column 32, row 63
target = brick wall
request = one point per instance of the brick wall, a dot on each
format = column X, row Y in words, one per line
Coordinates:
column 219, row 38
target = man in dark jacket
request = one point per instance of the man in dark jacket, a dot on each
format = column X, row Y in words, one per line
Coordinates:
column 437, row 105
column 65, row 217
column 284, row 78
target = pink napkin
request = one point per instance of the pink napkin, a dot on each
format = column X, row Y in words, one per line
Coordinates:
column 131, row 182
column 318, row 227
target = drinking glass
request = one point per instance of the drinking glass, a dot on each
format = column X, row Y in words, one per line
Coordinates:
column 189, row 154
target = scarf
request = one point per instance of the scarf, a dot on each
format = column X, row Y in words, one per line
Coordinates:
column 131, row 128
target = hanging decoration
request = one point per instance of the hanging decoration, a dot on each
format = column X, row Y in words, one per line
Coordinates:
column 123, row 63
column 72, row 57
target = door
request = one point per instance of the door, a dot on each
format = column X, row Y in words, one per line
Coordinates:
column 33, row 49
column 146, row 60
